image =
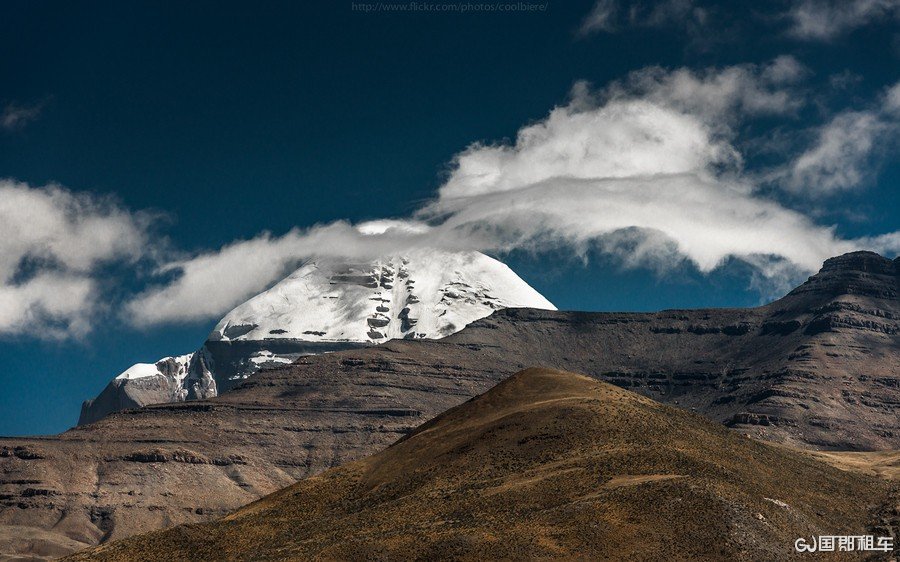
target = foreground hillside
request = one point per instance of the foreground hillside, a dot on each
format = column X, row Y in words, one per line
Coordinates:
column 545, row 465
column 819, row 368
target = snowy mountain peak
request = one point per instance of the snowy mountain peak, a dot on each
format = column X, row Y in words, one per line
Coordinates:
column 327, row 305
column 419, row 295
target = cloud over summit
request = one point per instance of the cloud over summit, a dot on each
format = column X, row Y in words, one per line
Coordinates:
column 647, row 168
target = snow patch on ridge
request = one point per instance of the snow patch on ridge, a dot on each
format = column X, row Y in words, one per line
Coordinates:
column 139, row 371
column 175, row 367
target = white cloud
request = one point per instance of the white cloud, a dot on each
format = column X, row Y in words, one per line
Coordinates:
column 209, row 284
column 621, row 139
column 892, row 100
column 49, row 306
column 718, row 95
column 827, row 19
column 707, row 219
column 645, row 154
column 841, row 157
column 15, row 115
column 644, row 157
column 612, row 15
column 52, row 243
column 664, row 12
column 600, row 18
column 707, row 23
column 785, row 69
column 645, row 169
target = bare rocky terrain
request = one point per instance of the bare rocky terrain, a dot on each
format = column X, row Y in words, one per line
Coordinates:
column 546, row 465
column 817, row 369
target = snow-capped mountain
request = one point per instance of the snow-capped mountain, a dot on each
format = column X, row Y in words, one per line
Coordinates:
column 427, row 294
column 327, row 305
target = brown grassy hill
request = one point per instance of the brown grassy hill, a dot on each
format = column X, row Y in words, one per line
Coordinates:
column 545, row 465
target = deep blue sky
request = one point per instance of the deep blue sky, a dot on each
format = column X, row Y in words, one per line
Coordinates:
column 239, row 118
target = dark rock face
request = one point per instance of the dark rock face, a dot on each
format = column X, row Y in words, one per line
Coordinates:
column 864, row 274
column 127, row 394
column 216, row 367
column 818, row 368
column 231, row 359
column 861, row 262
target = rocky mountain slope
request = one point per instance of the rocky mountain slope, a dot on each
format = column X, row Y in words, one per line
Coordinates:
column 819, row 368
column 326, row 305
column 544, row 465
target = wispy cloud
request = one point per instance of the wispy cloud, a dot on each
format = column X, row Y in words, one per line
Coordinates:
column 16, row 116
column 53, row 242
column 839, row 158
column 611, row 16
column 844, row 153
column 824, row 20
column 719, row 96
column 208, row 284
column 601, row 17
column 704, row 24
column 707, row 23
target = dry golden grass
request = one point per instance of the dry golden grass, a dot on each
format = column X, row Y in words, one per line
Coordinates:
column 885, row 464
column 545, row 465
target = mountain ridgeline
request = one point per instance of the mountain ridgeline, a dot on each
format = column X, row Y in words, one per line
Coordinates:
column 818, row 368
